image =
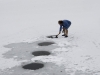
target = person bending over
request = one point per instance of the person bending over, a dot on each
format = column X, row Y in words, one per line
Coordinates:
column 64, row 25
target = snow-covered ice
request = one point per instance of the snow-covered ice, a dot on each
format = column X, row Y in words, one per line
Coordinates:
column 33, row 20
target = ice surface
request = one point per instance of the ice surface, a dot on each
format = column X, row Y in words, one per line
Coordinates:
column 32, row 20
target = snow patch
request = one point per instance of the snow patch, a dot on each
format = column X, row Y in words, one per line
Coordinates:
column 9, row 63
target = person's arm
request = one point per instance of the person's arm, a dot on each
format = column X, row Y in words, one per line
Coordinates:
column 63, row 30
column 60, row 30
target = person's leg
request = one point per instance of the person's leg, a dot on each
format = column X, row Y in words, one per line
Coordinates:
column 63, row 32
column 66, row 32
column 63, row 29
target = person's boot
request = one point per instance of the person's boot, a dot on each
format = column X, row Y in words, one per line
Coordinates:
column 63, row 35
column 66, row 36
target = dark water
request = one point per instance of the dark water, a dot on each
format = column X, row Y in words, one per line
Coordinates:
column 45, row 43
column 40, row 53
column 33, row 66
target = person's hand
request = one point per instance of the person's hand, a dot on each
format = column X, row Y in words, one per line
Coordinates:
column 59, row 32
column 57, row 35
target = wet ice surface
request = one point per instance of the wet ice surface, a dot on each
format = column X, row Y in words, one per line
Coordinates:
column 24, row 50
column 48, row 69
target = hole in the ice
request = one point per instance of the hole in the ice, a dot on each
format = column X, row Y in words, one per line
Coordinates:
column 45, row 43
column 33, row 66
column 39, row 53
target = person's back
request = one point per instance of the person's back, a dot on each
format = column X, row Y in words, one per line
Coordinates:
column 66, row 23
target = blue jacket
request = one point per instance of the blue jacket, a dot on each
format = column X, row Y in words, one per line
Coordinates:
column 66, row 24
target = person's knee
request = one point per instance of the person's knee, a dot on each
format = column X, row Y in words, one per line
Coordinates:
column 66, row 29
column 63, row 28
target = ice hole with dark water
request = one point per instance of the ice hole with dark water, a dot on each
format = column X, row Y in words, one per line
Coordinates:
column 40, row 53
column 33, row 66
column 45, row 43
